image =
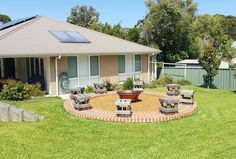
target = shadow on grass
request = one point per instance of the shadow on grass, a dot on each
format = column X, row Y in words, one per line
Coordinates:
column 211, row 87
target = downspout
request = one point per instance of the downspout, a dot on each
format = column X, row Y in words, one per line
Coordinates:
column 56, row 69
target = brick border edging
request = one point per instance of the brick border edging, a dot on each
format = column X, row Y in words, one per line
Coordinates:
column 142, row 119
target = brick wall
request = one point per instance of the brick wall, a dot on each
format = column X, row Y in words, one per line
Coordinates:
column 145, row 67
column 62, row 65
column 109, row 68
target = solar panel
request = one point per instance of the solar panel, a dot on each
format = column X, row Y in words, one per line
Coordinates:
column 15, row 22
column 78, row 37
column 63, row 37
column 69, row 37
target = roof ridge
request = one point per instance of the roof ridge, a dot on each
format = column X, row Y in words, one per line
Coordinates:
column 25, row 24
column 96, row 32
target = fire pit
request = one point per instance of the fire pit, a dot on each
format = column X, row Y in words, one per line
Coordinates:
column 128, row 94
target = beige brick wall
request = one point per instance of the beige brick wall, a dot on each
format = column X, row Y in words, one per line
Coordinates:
column 109, row 68
column 145, row 67
column 62, row 65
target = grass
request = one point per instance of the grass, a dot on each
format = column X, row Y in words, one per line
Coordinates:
column 210, row 133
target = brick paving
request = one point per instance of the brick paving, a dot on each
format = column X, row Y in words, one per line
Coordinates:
column 155, row 116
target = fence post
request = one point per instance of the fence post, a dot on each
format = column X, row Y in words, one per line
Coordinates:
column 185, row 71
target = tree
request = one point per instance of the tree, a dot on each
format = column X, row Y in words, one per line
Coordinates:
column 133, row 35
column 168, row 26
column 84, row 16
column 228, row 24
column 4, row 18
column 115, row 30
column 210, row 61
column 209, row 30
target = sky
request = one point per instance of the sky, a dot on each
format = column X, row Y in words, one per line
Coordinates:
column 126, row 12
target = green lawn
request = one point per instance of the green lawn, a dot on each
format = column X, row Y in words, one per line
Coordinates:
column 210, row 133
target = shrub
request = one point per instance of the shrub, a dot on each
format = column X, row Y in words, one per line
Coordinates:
column 15, row 90
column 89, row 89
column 128, row 85
column 150, row 85
column 109, row 86
column 168, row 79
column 183, row 82
column 161, row 82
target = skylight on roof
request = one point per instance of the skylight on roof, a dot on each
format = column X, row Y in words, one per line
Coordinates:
column 69, row 37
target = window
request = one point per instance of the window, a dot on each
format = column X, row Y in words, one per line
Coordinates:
column 94, row 66
column 72, row 67
column 137, row 63
column 121, row 63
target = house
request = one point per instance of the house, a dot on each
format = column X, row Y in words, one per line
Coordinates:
column 194, row 63
column 41, row 49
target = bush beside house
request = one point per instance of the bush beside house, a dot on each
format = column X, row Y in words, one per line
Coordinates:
column 16, row 90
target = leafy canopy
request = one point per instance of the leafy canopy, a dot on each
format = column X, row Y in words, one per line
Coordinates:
column 4, row 18
column 84, row 16
column 168, row 26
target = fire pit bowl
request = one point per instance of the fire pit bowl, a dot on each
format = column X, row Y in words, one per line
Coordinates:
column 129, row 94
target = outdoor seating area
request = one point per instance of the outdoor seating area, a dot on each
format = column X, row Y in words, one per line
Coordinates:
column 153, row 107
column 123, row 107
column 138, row 86
column 173, row 89
column 78, row 90
column 100, row 88
column 187, row 96
column 80, row 100
column 132, row 102
column 169, row 105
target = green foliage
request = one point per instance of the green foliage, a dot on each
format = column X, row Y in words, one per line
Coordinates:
column 183, row 82
column 210, row 61
column 115, row 30
column 128, row 84
column 89, row 89
column 133, row 35
column 229, row 25
column 161, row 82
column 15, row 90
column 84, row 16
column 168, row 26
column 209, row 29
column 109, row 85
column 4, row 18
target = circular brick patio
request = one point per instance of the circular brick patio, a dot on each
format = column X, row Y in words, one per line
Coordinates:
column 154, row 116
